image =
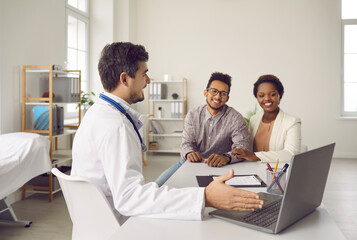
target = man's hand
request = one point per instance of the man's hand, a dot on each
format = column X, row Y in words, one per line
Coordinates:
column 222, row 196
column 216, row 160
column 241, row 153
column 194, row 157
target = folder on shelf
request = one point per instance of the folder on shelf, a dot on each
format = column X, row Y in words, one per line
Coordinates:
column 177, row 109
column 66, row 89
column 163, row 91
column 172, row 110
column 41, row 118
column 60, row 120
column 151, row 91
column 158, row 90
column 180, row 110
column 155, row 127
column 154, row 90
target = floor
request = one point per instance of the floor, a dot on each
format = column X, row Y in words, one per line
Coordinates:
column 51, row 220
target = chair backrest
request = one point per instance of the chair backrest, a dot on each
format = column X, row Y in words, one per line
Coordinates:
column 91, row 214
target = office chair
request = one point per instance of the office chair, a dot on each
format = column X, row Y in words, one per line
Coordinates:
column 90, row 212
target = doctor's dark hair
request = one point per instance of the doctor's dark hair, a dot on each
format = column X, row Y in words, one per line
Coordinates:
column 269, row 79
column 220, row 77
column 117, row 58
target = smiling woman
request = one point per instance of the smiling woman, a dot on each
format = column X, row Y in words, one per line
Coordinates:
column 274, row 135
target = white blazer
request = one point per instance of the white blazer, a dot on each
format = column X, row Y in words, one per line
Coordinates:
column 285, row 140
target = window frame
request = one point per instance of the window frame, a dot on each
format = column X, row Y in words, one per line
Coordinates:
column 82, row 16
column 343, row 24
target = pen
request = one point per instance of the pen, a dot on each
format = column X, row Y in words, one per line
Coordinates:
column 276, row 167
column 283, row 170
column 270, row 169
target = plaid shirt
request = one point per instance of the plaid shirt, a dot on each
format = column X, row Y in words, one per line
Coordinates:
column 218, row 134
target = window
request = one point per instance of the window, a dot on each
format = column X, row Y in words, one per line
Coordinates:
column 77, row 41
column 81, row 5
column 349, row 58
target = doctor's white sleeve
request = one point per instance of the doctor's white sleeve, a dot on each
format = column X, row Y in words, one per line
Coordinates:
column 122, row 161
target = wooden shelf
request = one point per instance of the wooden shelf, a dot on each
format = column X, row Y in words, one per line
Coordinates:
column 168, row 142
column 46, row 79
column 61, row 156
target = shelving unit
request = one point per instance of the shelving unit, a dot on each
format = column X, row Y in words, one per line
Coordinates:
column 169, row 123
column 44, row 86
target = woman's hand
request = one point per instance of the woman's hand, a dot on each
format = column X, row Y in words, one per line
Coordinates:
column 241, row 153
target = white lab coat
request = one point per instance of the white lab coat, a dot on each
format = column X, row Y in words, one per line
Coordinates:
column 285, row 139
column 107, row 150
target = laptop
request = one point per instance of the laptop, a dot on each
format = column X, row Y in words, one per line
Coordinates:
column 304, row 192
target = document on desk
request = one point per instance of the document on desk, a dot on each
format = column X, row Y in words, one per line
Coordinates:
column 251, row 180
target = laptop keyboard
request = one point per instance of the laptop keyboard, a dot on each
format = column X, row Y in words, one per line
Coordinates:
column 264, row 217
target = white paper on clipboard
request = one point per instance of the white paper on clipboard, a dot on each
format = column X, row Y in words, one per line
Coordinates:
column 250, row 180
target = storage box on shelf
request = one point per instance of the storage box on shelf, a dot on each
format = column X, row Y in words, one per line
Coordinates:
column 167, row 107
column 46, row 91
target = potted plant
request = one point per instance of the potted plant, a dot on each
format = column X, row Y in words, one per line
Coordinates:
column 250, row 114
column 86, row 100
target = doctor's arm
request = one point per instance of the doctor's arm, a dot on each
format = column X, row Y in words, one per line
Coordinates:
column 121, row 154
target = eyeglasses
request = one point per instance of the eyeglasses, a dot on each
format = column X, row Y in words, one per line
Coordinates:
column 214, row 92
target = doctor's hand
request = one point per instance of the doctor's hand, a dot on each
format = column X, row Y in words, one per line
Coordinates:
column 241, row 153
column 222, row 196
column 216, row 160
column 194, row 157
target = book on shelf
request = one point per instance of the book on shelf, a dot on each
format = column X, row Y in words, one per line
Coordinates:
column 60, row 119
column 157, row 91
column 177, row 110
column 180, row 110
column 67, row 89
column 40, row 116
column 156, row 127
column 177, row 133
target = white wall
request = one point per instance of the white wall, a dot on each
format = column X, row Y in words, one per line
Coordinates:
column 110, row 21
column 299, row 41
column 100, row 33
column 33, row 33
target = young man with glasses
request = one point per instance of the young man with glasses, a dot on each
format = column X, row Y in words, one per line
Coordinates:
column 212, row 130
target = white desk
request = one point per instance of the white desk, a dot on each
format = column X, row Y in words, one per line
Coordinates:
column 317, row 225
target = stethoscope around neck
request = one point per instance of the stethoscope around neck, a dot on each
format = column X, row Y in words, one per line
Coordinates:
column 123, row 111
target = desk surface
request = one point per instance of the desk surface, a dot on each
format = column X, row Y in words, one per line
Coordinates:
column 317, row 224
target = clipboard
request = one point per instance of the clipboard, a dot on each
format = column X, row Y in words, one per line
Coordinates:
column 243, row 181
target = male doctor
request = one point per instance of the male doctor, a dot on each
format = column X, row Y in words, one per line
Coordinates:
column 107, row 149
